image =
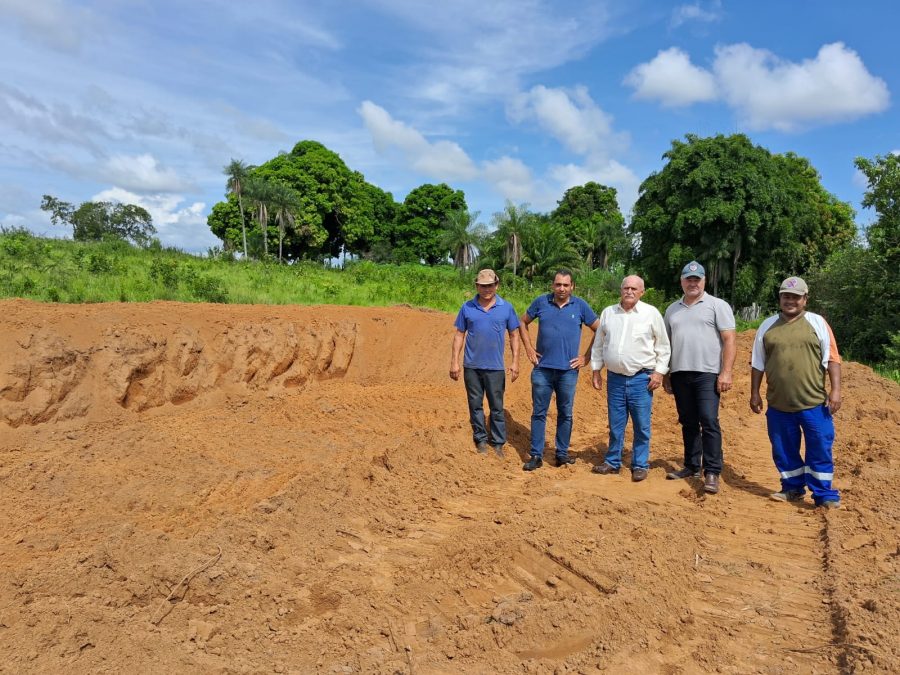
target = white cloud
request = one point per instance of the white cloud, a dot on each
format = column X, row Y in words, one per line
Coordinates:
column 610, row 173
column 440, row 160
column 672, row 79
column 572, row 118
column 181, row 226
column 696, row 13
column 770, row 93
column 511, row 178
column 141, row 173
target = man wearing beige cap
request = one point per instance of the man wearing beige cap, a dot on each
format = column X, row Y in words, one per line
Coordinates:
column 481, row 325
column 795, row 349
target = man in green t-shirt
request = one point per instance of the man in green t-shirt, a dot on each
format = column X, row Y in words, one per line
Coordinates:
column 795, row 349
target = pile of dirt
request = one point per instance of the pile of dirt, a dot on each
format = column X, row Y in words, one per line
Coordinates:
column 251, row 489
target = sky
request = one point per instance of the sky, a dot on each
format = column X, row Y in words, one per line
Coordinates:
column 146, row 101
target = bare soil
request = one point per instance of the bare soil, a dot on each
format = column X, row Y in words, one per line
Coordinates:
column 202, row 488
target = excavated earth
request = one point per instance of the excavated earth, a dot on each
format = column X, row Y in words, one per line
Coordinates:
column 248, row 489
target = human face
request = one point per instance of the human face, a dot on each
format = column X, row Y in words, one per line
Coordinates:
column 693, row 288
column 792, row 305
column 563, row 286
column 486, row 291
column 631, row 291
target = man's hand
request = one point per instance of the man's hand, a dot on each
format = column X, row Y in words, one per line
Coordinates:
column 724, row 382
column 597, row 380
column 533, row 356
column 834, row 401
column 756, row 402
column 454, row 371
column 577, row 362
column 667, row 384
column 655, row 382
column 513, row 371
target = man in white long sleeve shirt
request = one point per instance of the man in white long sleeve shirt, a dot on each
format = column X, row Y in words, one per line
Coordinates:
column 633, row 345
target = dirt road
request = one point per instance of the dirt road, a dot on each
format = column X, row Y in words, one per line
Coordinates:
column 200, row 488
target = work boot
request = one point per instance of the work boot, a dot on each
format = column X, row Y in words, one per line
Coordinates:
column 534, row 463
column 711, row 483
column 498, row 450
column 637, row 475
column 564, row 461
column 481, row 446
column 604, row 469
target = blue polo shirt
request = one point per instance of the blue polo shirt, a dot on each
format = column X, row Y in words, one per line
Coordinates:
column 559, row 330
column 485, row 332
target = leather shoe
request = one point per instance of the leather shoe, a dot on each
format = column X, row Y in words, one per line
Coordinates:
column 683, row 473
column 563, row 461
column 604, row 469
column 711, row 483
column 637, row 475
column 481, row 446
column 533, row 463
column 498, row 450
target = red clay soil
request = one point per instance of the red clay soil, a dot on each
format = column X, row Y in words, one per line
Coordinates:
column 246, row 489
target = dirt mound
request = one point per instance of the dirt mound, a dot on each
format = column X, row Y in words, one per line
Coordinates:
column 191, row 488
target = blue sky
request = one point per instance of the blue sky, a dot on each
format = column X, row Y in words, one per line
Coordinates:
column 145, row 102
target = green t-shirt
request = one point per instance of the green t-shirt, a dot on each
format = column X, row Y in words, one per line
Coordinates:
column 794, row 374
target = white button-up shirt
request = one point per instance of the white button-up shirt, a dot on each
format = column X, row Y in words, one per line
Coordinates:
column 628, row 342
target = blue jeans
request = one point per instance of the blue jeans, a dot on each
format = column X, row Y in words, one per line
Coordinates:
column 628, row 395
column 817, row 471
column 480, row 382
column 544, row 383
column 697, row 402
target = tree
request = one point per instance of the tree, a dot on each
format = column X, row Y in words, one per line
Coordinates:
column 93, row 221
column 883, row 194
column 511, row 223
column 237, row 173
column 752, row 218
column 284, row 200
column 462, row 237
column 259, row 192
column 417, row 234
column 589, row 215
column 545, row 248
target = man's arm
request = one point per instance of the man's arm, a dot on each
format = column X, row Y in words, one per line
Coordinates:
column 834, row 397
column 514, row 346
column 532, row 355
column 663, row 350
column 585, row 358
column 755, row 399
column 459, row 339
column 729, row 351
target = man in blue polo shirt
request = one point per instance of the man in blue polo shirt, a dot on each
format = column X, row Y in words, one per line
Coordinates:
column 556, row 362
column 481, row 324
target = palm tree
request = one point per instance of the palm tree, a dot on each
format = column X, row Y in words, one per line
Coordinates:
column 284, row 200
column 545, row 248
column 510, row 223
column 260, row 192
column 237, row 173
column 462, row 237
column 597, row 237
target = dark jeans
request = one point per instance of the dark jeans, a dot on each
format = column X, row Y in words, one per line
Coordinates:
column 697, row 402
column 490, row 383
column 544, row 383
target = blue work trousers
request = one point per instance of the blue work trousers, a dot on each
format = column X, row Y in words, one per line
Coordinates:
column 816, row 471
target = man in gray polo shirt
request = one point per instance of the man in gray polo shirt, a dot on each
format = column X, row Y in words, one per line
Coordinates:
column 701, row 330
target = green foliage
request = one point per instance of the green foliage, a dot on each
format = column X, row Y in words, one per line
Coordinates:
column 752, row 218
column 417, row 234
column 462, row 236
column 883, row 194
column 859, row 293
column 590, row 217
column 95, row 221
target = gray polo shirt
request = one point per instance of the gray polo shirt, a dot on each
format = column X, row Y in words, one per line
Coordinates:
column 695, row 333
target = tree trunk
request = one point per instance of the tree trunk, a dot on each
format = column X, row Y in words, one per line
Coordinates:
column 243, row 225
